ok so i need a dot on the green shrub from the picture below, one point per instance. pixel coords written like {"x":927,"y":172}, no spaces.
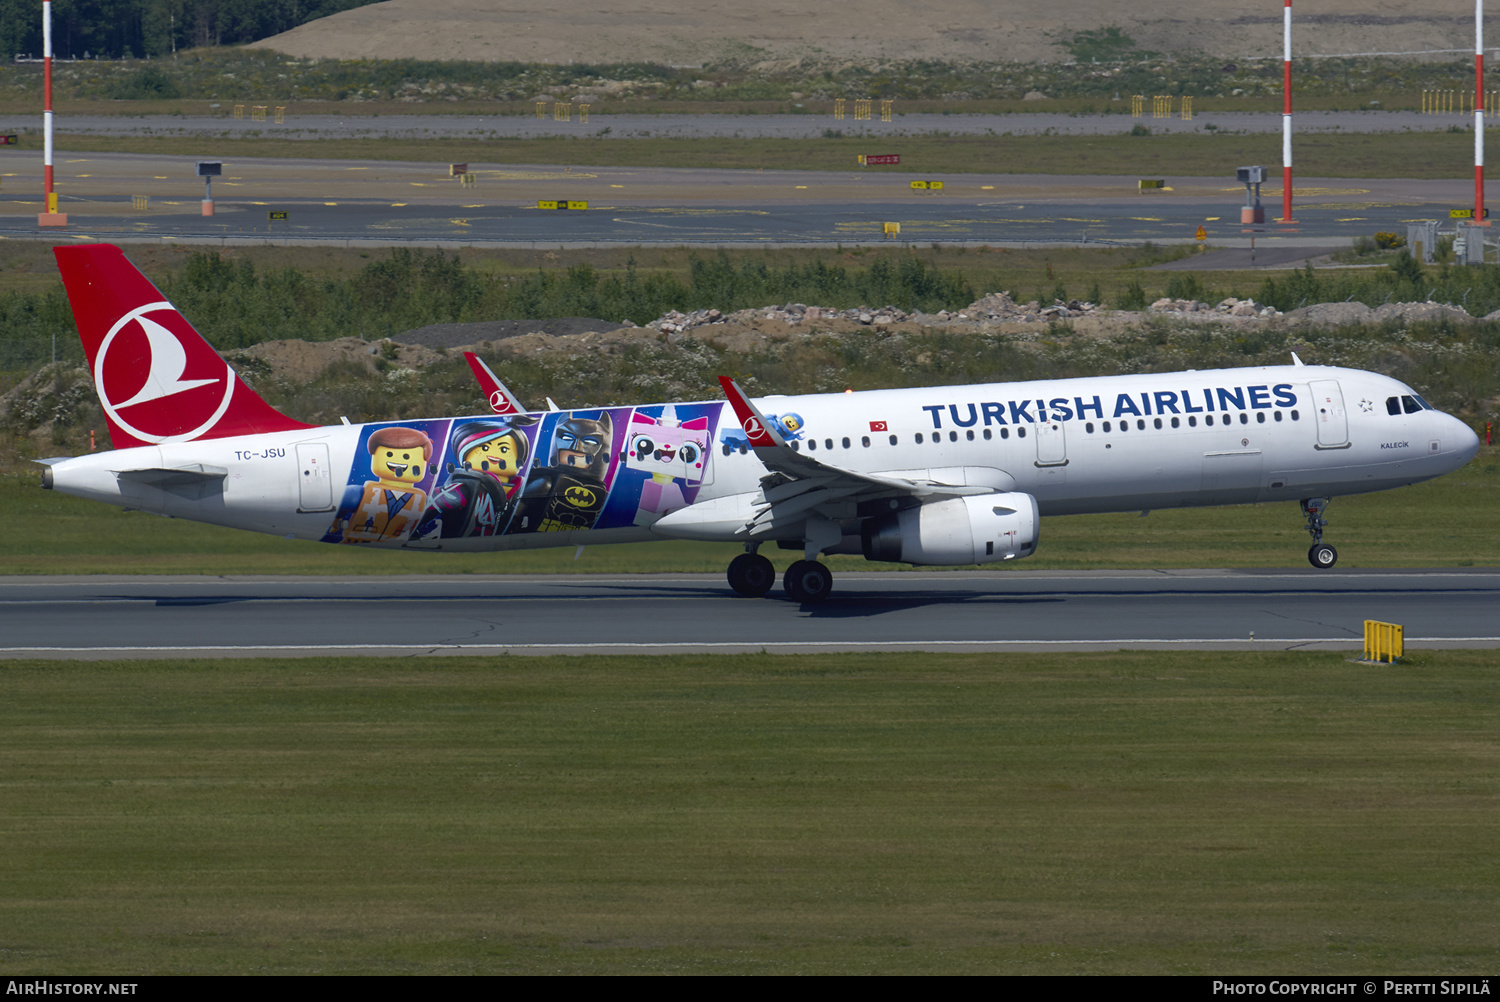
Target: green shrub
{"x":1134,"y":297}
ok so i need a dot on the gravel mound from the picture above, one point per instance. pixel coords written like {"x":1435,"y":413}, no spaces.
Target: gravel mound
{"x":460,"y":335}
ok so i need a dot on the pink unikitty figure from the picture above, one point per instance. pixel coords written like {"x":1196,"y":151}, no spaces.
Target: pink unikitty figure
{"x":674,"y":454}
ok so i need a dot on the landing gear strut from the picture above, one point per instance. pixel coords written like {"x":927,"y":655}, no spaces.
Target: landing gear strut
{"x":751,"y":574}
{"x":1321,"y":556}
{"x":807,"y":581}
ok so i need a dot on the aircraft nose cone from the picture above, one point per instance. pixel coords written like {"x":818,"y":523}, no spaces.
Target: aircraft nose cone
{"x":1465,"y":441}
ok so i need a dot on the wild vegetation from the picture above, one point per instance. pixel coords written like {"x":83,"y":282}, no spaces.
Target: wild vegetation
{"x":233,"y":74}
{"x":237,"y":305}
{"x":115,"y":29}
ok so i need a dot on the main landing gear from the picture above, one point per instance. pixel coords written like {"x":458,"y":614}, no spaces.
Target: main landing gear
{"x":1322,"y":556}
{"x":807,"y":581}
{"x":752,"y":575}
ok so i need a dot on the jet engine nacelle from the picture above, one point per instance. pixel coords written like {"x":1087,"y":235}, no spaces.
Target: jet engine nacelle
{"x":964,"y":530}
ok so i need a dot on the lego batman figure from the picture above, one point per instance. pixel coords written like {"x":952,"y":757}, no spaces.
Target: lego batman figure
{"x":570,"y":492}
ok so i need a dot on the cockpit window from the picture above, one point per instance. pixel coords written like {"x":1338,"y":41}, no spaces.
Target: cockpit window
{"x":1410,"y":403}
{"x":1393,"y":406}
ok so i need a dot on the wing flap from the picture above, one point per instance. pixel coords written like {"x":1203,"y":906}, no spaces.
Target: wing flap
{"x":800,"y":486}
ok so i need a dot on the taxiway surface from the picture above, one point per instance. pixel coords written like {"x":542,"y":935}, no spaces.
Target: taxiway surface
{"x":126,"y":198}
{"x":86,"y":617}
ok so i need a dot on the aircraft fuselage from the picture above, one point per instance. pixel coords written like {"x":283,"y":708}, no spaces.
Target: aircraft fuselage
{"x":600,"y":475}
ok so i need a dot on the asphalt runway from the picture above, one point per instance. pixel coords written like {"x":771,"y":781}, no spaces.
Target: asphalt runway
{"x":667,"y":207}
{"x":142,"y":617}
{"x":381,"y":203}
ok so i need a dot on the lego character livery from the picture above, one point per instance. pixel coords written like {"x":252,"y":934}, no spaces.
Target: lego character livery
{"x":788,"y":426}
{"x":479,"y":494}
{"x":672,"y":455}
{"x":390,"y":504}
{"x":570,"y":492}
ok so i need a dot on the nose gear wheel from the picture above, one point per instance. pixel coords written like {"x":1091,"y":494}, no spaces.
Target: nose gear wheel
{"x":1321,"y":556}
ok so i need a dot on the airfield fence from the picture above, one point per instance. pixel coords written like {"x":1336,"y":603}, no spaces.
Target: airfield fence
{"x":1454,"y":101}
{"x":1161,"y":106}
{"x":1384,"y":641}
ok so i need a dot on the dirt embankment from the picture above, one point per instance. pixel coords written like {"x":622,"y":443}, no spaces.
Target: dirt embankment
{"x":763,"y":32}
{"x":748,"y":331}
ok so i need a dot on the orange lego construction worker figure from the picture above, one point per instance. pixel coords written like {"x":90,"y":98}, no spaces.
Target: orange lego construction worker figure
{"x":391,"y":504}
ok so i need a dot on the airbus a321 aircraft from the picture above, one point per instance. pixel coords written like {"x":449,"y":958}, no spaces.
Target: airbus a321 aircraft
{"x":950,"y":475}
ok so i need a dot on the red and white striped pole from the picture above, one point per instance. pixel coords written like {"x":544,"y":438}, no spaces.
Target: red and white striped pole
{"x":1286,"y":115}
{"x":1479,"y":112}
{"x":49,"y":216}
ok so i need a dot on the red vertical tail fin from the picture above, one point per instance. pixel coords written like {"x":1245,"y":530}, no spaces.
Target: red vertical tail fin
{"x":157,"y":378}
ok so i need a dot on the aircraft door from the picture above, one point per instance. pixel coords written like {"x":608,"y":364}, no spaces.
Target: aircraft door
{"x":1051,"y":443}
{"x":1328,"y":411}
{"x":314,"y":477}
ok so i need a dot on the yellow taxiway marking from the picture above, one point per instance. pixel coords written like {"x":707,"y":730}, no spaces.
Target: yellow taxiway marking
{"x":617,"y":186}
{"x":677,"y":211}
{"x":356,"y":168}
{"x":479,"y":206}
{"x":398,"y":205}
{"x":459,"y":222}
{"x":1353,"y":219}
{"x":159,"y":177}
{"x":801,"y":187}
{"x":986,"y":187}
{"x":259,"y":203}
{"x":75,"y":161}
{"x":1070,"y":219}
{"x":1147,"y":219}
{"x":83,"y":175}
{"x":330,"y":203}
{"x":1306,"y":192}
{"x":1211,"y":219}
{"x":537,"y":175}
{"x":418,"y":184}
{"x":914,"y":225}
{"x":1356,"y":206}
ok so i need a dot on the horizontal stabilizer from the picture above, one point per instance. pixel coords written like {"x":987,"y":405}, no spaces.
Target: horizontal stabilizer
{"x":193,"y":482}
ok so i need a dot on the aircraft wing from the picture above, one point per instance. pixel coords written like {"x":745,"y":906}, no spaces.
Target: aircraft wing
{"x":799,"y":486}
{"x":501,"y":400}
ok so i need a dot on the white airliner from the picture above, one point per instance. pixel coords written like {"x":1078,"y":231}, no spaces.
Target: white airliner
{"x":949,"y":475}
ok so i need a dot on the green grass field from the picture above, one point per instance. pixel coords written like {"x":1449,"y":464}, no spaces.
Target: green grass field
{"x":1447,"y":522}
{"x":1156,"y":813}
{"x":1362,"y":155}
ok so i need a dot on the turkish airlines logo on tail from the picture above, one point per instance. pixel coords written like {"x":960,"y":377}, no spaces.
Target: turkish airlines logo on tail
{"x":500,"y":403}
{"x":149,"y":386}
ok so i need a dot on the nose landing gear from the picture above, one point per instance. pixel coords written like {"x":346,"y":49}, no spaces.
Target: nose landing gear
{"x":1321,"y":555}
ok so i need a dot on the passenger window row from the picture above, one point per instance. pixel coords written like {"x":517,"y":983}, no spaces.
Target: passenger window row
{"x":1192,"y":421}
{"x":1089,"y":428}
